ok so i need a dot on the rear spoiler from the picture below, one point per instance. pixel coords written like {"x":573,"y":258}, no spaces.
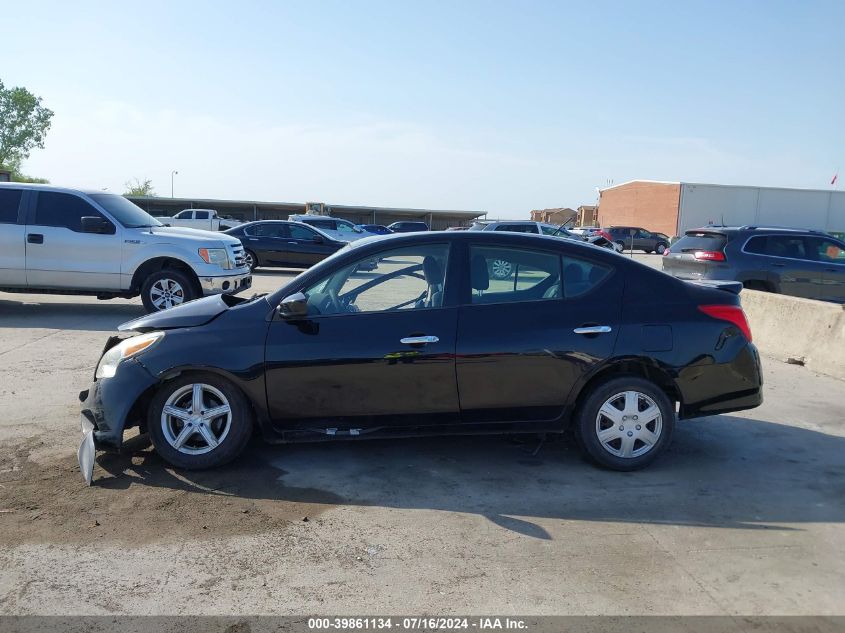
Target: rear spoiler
{"x":734,"y":287}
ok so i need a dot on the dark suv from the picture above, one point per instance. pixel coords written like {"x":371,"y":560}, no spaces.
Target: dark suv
{"x":796,"y":262}
{"x":637,"y":238}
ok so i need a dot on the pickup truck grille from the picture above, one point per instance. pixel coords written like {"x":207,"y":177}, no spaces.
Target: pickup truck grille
{"x":238,"y":256}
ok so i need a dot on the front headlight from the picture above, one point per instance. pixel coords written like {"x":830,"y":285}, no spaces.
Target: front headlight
{"x":127,"y":348}
{"x":217,"y":256}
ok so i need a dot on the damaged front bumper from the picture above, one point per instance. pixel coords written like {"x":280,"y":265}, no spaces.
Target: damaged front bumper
{"x":107,"y":406}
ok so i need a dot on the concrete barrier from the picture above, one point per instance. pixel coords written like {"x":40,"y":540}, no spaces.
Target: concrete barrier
{"x":790,"y":327}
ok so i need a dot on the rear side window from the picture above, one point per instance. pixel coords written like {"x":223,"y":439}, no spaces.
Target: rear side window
{"x":62,"y":210}
{"x":268,"y":230}
{"x":505,"y":275}
{"x":790,"y":246}
{"x":201,"y":215}
{"x":10,"y":200}
{"x":517,"y":228}
{"x":581,"y":276}
{"x":700,"y":241}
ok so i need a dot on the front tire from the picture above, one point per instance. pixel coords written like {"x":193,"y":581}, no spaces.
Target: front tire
{"x":167,"y":288}
{"x":199,"y":420}
{"x":661,"y":248}
{"x":625,"y":423}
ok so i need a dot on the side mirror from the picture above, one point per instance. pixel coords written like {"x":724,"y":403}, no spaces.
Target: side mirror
{"x":96,"y":224}
{"x":294,"y":307}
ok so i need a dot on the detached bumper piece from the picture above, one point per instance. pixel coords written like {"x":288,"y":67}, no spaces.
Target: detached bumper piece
{"x":86,"y":452}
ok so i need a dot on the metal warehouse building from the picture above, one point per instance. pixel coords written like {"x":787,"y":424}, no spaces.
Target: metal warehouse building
{"x":675,"y":207}
{"x":247,"y":210}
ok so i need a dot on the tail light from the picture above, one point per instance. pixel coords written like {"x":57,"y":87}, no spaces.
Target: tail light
{"x":666,"y":252}
{"x":731,"y":314}
{"x":605,"y":235}
{"x":710,"y":256}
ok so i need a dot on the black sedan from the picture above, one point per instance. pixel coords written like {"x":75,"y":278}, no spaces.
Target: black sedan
{"x":429,"y":343}
{"x":286,"y":244}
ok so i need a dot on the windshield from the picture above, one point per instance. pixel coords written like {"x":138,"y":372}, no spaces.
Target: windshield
{"x":129,"y":214}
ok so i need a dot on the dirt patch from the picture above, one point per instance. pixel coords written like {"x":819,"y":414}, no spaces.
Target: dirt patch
{"x":136,"y":498}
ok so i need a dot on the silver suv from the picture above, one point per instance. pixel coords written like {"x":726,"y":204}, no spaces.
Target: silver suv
{"x":67,"y":241}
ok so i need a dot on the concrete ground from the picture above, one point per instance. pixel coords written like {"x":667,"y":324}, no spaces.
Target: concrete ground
{"x":743,"y":515}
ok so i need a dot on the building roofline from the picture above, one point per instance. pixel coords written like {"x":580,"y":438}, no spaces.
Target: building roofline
{"x":341,"y":207}
{"x":713,"y":184}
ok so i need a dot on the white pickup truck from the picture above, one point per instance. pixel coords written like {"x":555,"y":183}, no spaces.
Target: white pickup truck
{"x":66,"y":241}
{"x":206,"y":219}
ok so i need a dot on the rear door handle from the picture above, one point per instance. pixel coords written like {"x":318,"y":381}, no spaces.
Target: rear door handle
{"x":418,"y":340}
{"x":35,"y":238}
{"x":593,"y":329}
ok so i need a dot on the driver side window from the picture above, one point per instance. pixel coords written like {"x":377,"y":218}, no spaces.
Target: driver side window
{"x":409,"y":278}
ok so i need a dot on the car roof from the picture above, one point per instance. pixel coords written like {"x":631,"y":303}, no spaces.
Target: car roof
{"x":56,"y":188}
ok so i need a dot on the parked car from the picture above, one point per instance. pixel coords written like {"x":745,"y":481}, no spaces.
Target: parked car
{"x":281,"y":243}
{"x":600,"y":240}
{"x":374,"y":229}
{"x":70,"y":241}
{"x":206,"y":219}
{"x":638,"y":239}
{"x":796,"y":262}
{"x":408,"y":227}
{"x":336,"y":228}
{"x":429,"y":344}
{"x":526,"y":226}
{"x":504,"y":269}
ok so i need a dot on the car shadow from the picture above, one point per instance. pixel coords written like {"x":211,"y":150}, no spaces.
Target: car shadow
{"x":722,"y":471}
{"x":93,"y":316}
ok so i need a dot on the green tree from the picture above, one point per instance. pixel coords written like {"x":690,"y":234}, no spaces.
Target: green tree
{"x":139,"y":188}
{"x":23,"y":125}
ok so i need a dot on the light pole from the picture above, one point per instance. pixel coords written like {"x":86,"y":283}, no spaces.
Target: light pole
{"x":172,"y":173}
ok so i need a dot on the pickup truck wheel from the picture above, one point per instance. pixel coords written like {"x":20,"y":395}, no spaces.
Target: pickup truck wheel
{"x":167,"y":288}
{"x":199,"y":420}
{"x":625,"y":423}
{"x":250,"y":259}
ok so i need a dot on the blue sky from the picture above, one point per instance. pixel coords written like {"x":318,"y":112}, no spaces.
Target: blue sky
{"x":495,"y":106}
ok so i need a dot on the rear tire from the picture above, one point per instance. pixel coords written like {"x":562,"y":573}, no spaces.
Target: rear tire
{"x":167,"y":288}
{"x":251,"y":260}
{"x":625,"y":423}
{"x":210,"y":437}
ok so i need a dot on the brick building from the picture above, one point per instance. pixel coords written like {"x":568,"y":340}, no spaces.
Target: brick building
{"x":675,"y":207}
{"x":560,"y":215}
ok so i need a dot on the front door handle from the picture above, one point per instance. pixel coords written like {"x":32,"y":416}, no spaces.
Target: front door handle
{"x":593,"y":329}
{"x":35,"y":238}
{"x":418,"y":340}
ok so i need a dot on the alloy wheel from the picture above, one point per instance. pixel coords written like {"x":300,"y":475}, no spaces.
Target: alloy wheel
{"x":248,"y":260}
{"x":196,"y":418}
{"x":629,"y":424}
{"x":501,"y":268}
{"x":166,"y":293}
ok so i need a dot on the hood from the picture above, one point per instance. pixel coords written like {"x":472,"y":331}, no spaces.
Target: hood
{"x":189,"y":314}
{"x":198,"y":235}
